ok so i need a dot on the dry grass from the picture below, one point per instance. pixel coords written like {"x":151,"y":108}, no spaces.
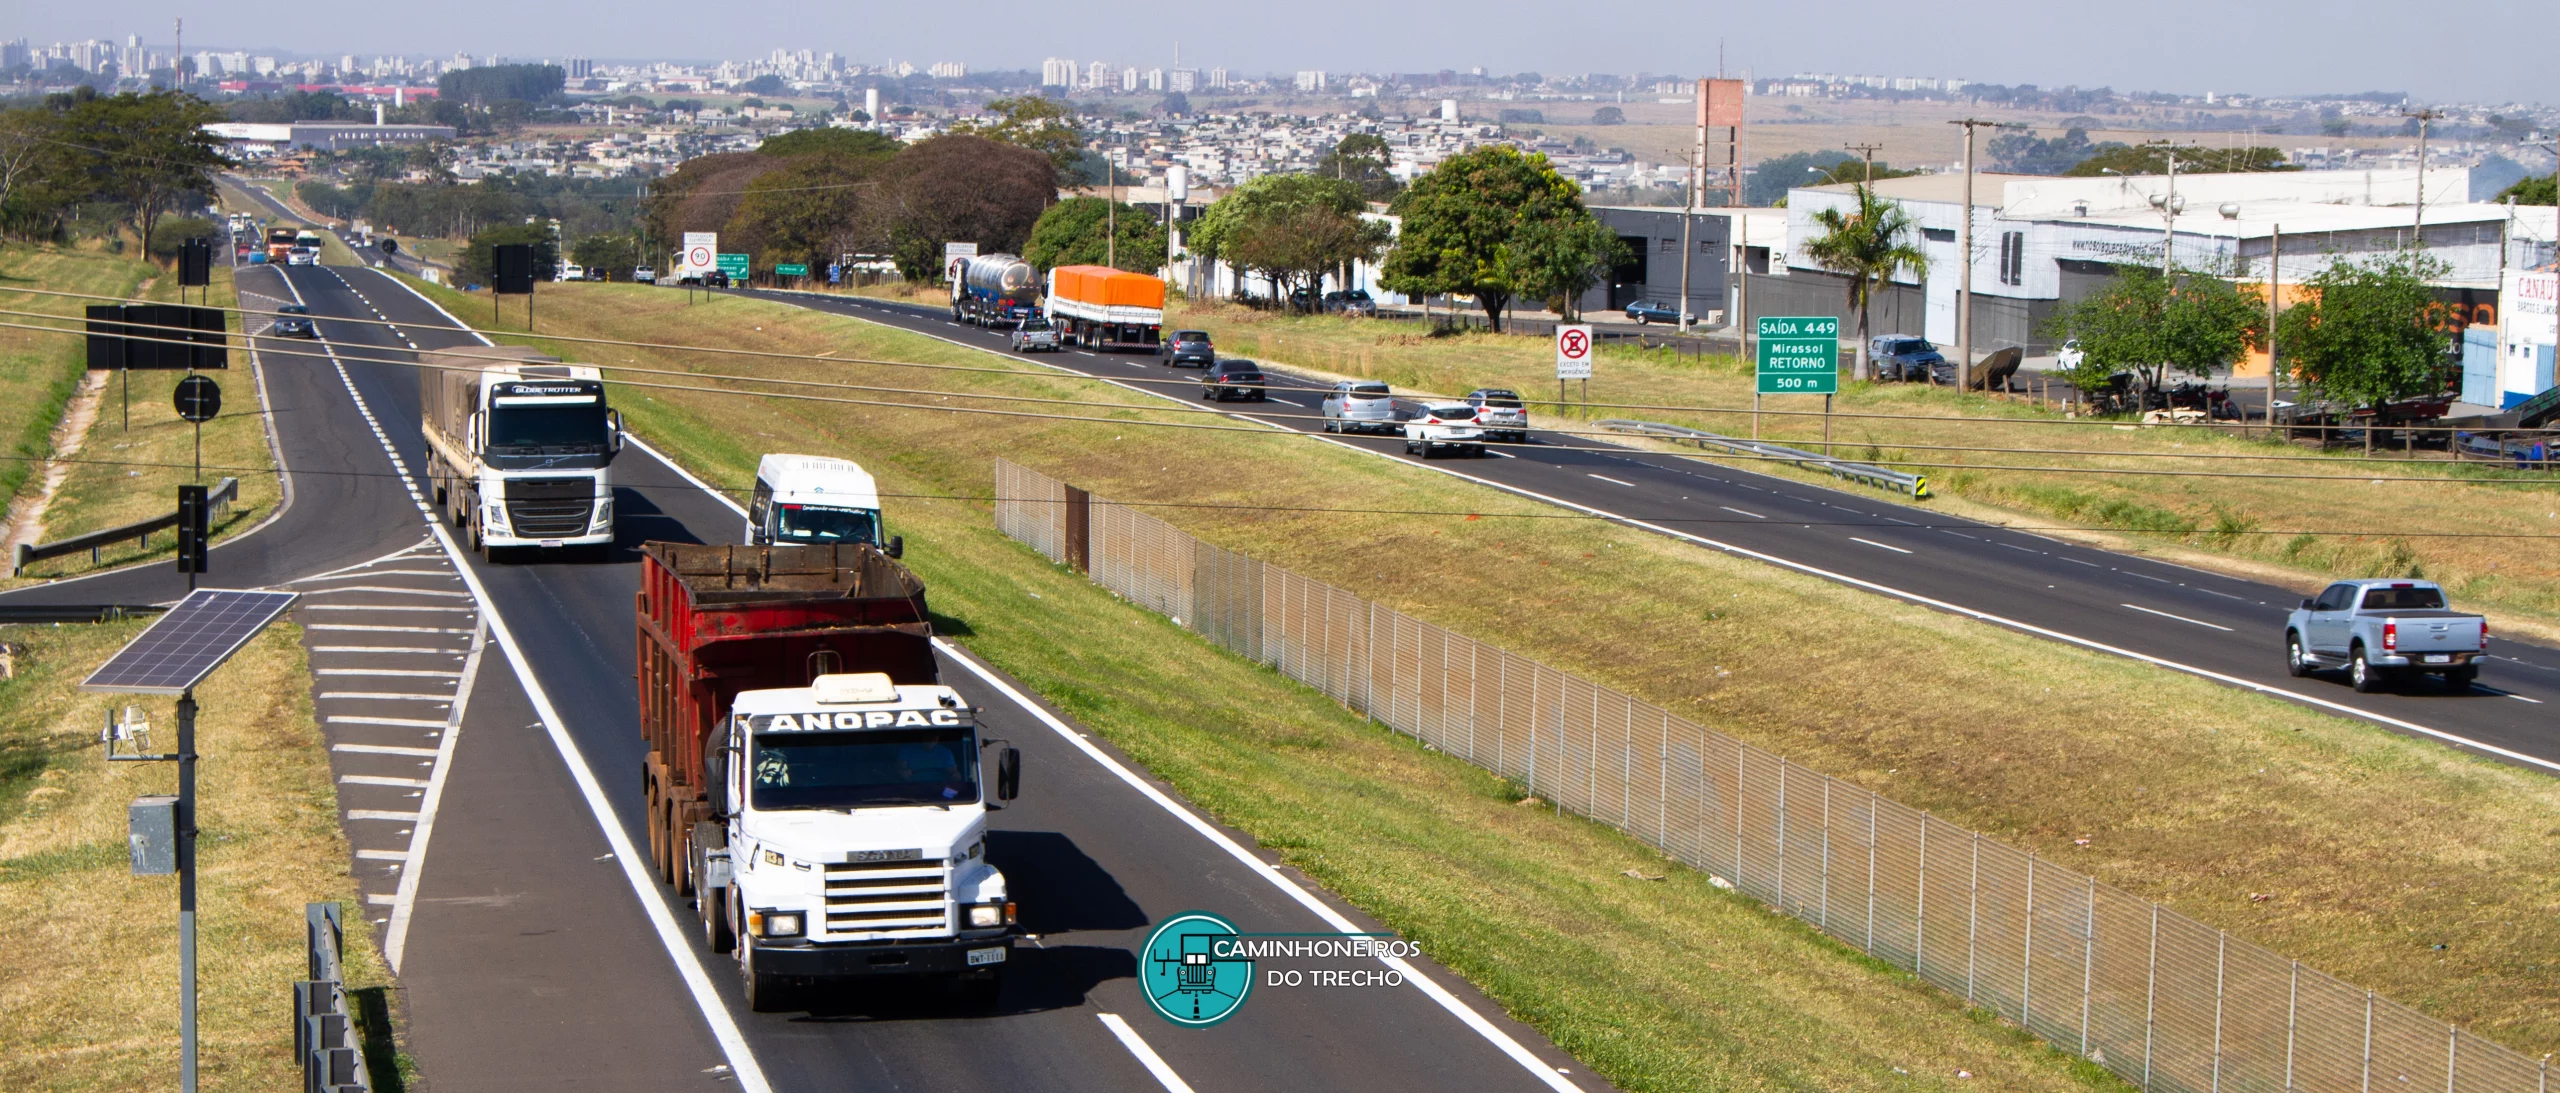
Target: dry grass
{"x":88,"y":990}
{"x":39,"y":372}
{"x":2369,"y":849}
{"x":2303,"y":532}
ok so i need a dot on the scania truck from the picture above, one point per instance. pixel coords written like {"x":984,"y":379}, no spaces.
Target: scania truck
{"x":810,"y":783}
{"x":519,"y":447}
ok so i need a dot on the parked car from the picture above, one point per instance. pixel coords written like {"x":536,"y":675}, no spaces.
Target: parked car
{"x":1354,"y":302}
{"x":2381,"y":630}
{"x":293,"y":321}
{"x":573,"y":273}
{"x":1188,"y":349}
{"x":1500,"y":413}
{"x":1233,"y":379}
{"x":1359,"y":406}
{"x":1034,"y":333}
{"x":644,"y":275}
{"x":2068,"y":358}
{"x":1443,"y":426}
{"x":1909,"y":358}
{"x":1647,"y":312}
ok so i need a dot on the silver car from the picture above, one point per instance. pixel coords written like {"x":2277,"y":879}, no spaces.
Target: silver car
{"x":1360,"y":406}
{"x":1035,"y":333}
{"x":1500,"y":414}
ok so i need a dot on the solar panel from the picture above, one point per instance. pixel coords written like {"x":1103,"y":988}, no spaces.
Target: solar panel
{"x":187,"y":644}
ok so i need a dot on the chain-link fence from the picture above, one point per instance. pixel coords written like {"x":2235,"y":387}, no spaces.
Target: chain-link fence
{"x":2165,"y":1001}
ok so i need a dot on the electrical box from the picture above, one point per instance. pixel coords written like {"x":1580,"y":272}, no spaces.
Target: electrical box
{"x":151,"y":832}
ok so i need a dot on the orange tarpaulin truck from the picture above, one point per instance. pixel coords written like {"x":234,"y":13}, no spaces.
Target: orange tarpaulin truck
{"x":1102,"y":308}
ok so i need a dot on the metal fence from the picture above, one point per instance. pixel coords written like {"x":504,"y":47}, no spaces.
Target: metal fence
{"x":325,"y":1036}
{"x":2165,"y":1001}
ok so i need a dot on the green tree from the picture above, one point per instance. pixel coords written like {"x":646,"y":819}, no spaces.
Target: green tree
{"x":959,"y":187}
{"x":808,"y":212}
{"x":1771,"y":178}
{"x":1868,"y":243}
{"x":2534,"y":190}
{"x":1031,"y":121}
{"x":1495,"y":224}
{"x":1291,"y":229}
{"x":489,"y":84}
{"x":767,"y":84}
{"x":27,"y":151}
{"x":858,"y":143}
{"x":2153,"y":159}
{"x":1078,"y":232}
{"x":149,"y":152}
{"x":2143,"y":323}
{"x":1851,"y":172}
{"x":1608,"y":115}
{"x":2027,"y":154}
{"x":616,"y":253}
{"x":1362,"y":159}
{"x":2363,"y":335}
{"x":475,"y":264}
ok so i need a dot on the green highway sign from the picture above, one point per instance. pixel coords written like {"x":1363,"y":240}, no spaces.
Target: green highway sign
{"x":735,"y":265}
{"x":790,"y":269}
{"x":1799,"y":355}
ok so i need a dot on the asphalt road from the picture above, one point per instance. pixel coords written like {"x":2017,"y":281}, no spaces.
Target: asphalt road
{"x":530,"y":956}
{"x":2225,"y":627}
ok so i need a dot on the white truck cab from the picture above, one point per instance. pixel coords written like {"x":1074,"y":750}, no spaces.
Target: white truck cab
{"x":814,"y":499}
{"x":855,"y":821}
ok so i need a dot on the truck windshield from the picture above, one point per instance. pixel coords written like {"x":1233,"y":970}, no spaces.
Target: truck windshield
{"x":547,"y":430}
{"x":820,"y":524}
{"x":2403,"y":599}
{"x":873,"y":769}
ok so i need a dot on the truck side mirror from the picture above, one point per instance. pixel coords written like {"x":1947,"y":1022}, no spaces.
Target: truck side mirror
{"x":473,"y":431}
{"x":897,"y":546}
{"x":715,"y":769}
{"x":613,"y":422}
{"x":1008,"y":774}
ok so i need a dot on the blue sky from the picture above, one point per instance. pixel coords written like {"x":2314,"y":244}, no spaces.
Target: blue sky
{"x":2457,"y":51}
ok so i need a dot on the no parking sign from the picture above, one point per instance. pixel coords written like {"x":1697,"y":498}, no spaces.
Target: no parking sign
{"x":1573,"y":352}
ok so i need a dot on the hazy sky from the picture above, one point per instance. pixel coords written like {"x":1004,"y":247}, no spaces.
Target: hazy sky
{"x":2464,"y":50}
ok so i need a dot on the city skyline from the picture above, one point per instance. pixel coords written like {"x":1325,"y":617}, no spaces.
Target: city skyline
{"x":2009,"y":42}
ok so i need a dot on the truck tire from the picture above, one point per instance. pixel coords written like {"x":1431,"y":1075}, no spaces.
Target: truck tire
{"x":766,"y":992}
{"x":2366,"y":678}
{"x":2294,"y":665}
{"x":718,"y":933}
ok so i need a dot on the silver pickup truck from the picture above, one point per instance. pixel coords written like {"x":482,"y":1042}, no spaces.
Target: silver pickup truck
{"x":2384,"y":629}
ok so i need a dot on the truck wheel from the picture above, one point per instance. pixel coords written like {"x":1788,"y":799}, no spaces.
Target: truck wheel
{"x":2366,"y":679}
{"x":765,"y":991}
{"x":2294,"y":665}
{"x":718,"y":935}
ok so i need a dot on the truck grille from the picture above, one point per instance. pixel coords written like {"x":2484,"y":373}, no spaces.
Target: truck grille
{"x":891,"y":898}
{"x":544,"y":508}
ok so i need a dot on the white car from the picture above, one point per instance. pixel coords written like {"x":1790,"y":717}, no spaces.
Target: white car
{"x":2068,"y":358}
{"x":644,"y":275}
{"x":572,"y":273}
{"x":302,"y":256}
{"x":1443,"y":426}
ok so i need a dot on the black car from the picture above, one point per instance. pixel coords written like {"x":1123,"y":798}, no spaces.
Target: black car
{"x":1652,"y":311}
{"x":1188,"y":349}
{"x":1233,"y":379}
{"x":293,"y":321}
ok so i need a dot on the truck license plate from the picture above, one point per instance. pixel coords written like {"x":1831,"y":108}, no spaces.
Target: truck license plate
{"x":553,"y":544}
{"x":986,"y":956}
{"x":2439,"y":658}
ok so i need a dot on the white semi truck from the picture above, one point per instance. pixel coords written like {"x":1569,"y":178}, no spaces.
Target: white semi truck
{"x":519,"y":447}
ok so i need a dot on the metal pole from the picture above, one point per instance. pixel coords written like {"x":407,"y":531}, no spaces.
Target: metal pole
{"x":187,"y":892}
{"x":2151,"y":999}
{"x":1781,"y":901}
{"x":1972,"y":917}
{"x":1920,"y":909}
{"x":1964,"y":272}
{"x":2275,"y":289}
{"x":1689,"y":211}
{"x":2292,"y":1006}
{"x":2221,"y":943}
{"x":1872,"y":798}
{"x":2169,"y":217}
{"x":2368,"y":1043}
{"x":2088,"y":962}
{"x":2027,"y":953}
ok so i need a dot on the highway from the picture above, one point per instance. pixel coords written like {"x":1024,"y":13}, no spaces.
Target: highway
{"x":533,"y":949}
{"x":2227,"y":628}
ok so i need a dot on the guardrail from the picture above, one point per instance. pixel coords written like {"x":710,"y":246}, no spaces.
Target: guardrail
{"x":222,"y":495}
{"x":1917,"y":485}
{"x":325,"y":1034}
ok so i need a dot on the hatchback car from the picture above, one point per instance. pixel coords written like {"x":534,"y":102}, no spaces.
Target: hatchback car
{"x":1035,"y":333}
{"x":293,"y":321}
{"x":1233,"y":379}
{"x":1646,"y":312}
{"x":1188,"y":349}
{"x":1500,"y":413}
{"x":1443,"y":427}
{"x":1359,"y":406}
{"x":644,"y":275}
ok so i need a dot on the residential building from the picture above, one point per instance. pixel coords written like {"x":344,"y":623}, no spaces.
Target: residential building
{"x":1155,"y":79}
{"x":1217,"y":79}
{"x":1185,"y":80}
{"x":1057,"y":72}
{"x":1311,"y":80}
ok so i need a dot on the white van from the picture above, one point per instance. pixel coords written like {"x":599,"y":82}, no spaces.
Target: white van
{"x":812,"y":499}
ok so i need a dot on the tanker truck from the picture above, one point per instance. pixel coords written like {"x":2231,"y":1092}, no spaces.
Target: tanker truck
{"x":1098,"y":307}
{"x":995,"y":290}
{"x":810,"y":783}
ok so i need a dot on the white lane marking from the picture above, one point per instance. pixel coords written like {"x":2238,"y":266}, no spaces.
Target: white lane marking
{"x":1613,"y":481}
{"x":430,"y":673}
{"x":2521,"y":698}
{"x":449,"y":650}
{"x":380,"y":749}
{"x":1292,"y":402}
{"x":1147,"y":1056}
{"x":387,"y":696}
{"x":2076,"y":561}
{"x":1895,"y":519}
{"x":1873,"y":543}
{"x":2180,"y":618}
{"x":392,"y":722}
{"x":381,"y":780}
{"x":675,"y":939}
{"x":1498,"y":453}
{"x":377,"y":606}
{"x":2224,"y":595}
{"x":381,"y":814}
{"x":386,"y":590}
{"x":1499,"y":1039}
{"x":2146,"y":576}
{"x":382,"y":855}
{"x":1753,"y":515}
{"x":377,"y":899}
{"x":383,"y":629}
{"x":2329,"y":705}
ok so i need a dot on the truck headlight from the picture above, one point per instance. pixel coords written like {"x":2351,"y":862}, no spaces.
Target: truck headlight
{"x":775,"y":923}
{"x":495,"y":518}
{"x":987,"y":916}
{"x":604,"y":515}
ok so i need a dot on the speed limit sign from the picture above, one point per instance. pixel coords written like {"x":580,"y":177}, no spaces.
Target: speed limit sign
{"x":701,"y":250}
{"x":1573,"y":352}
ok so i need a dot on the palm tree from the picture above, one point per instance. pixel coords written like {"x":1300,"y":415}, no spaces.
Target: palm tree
{"x":1866,"y":244}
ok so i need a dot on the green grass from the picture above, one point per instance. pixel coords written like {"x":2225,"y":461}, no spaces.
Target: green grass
{"x":39,"y":372}
{"x":88,"y":987}
{"x":2187,"y":792}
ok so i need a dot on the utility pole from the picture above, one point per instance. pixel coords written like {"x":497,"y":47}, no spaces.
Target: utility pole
{"x":1964,"y":260}
{"x":2418,"y":229}
{"x":1689,"y":213}
{"x":177,"y":55}
{"x":1868,"y":152}
{"x":2275,"y":255}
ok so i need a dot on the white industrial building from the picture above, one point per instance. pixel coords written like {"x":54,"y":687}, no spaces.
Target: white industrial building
{"x":264,"y":139}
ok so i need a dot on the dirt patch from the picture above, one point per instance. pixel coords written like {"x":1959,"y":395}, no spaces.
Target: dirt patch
{"x":26,"y":514}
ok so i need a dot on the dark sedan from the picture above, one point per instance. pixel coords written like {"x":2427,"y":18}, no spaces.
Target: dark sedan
{"x":1188,"y":349}
{"x":1645,"y":312}
{"x":1233,"y":379}
{"x":293,"y":321}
